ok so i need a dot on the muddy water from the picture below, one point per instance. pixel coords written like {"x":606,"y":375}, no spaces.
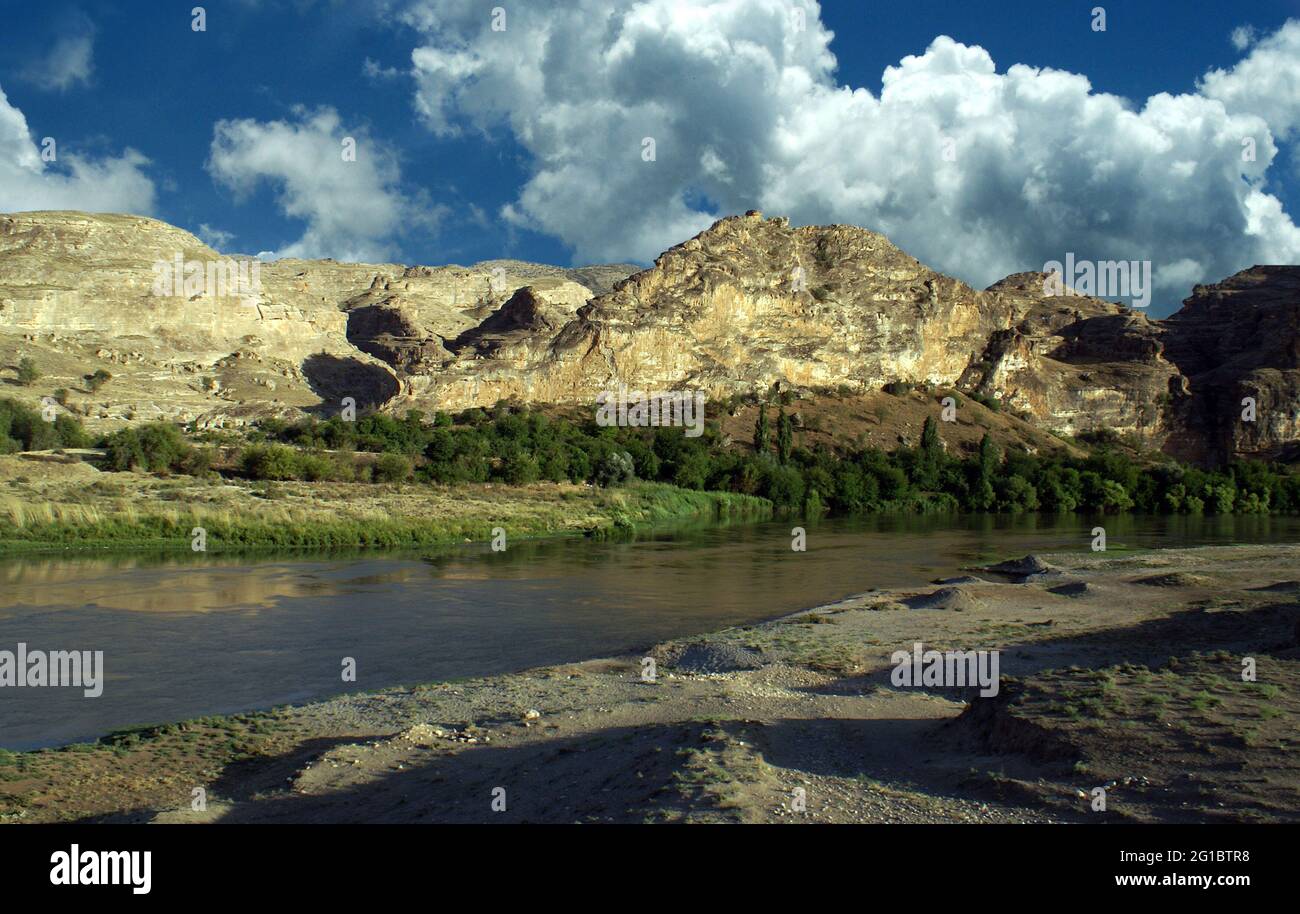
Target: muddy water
{"x":188,"y":636}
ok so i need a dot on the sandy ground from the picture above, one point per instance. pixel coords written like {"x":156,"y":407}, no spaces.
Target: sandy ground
{"x":1122,"y":673}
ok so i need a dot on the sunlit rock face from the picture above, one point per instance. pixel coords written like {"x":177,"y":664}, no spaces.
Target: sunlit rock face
{"x":80,"y":292}
{"x":746,"y":304}
{"x":749,"y":303}
{"x":752,"y":302}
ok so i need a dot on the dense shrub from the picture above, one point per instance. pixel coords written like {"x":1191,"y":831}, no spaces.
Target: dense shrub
{"x":615,"y":469}
{"x":98,"y":379}
{"x":27,"y":373}
{"x":391,"y":468}
{"x":158,"y":447}
{"x":275,"y":462}
{"x":25,"y":429}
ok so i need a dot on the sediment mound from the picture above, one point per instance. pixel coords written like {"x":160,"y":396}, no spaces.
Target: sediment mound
{"x":953,"y":599}
{"x":1073,"y":589}
{"x":704,"y":657}
{"x":993,"y":724}
{"x":1024,"y":567}
{"x":1172,"y":579}
{"x":960,"y":579}
{"x":1279,"y":587}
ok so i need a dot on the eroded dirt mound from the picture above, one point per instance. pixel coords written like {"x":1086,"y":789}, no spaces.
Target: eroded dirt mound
{"x":998,"y":724}
{"x":1023,"y":567}
{"x":1280,"y":587}
{"x":953,"y":599}
{"x":1173,"y":579}
{"x":702,"y":657}
{"x":960,"y":579}
{"x":1073,"y":589}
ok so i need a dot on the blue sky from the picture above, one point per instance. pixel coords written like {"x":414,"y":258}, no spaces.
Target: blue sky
{"x":480,"y":142}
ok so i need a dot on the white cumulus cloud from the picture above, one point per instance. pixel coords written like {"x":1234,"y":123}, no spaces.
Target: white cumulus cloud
{"x":1266,"y":82}
{"x":112,"y":184}
{"x":978,"y":171}
{"x":352,"y":209}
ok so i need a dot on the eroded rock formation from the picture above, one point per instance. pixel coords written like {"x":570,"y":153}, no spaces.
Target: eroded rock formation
{"x":749,"y":303}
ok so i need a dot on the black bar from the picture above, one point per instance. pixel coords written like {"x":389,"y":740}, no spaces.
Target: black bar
{"x":333,"y":863}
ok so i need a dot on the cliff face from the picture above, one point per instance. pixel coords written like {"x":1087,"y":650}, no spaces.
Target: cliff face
{"x":752,"y":302}
{"x":77,"y":293}
{"x":749,"y":303}
{"x":1238,"y":341}
{"x":1076,"y":364}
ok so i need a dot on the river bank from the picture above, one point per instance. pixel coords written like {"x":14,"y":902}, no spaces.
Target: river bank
{"x":51,"y":505}
{"x":1119,"y":672}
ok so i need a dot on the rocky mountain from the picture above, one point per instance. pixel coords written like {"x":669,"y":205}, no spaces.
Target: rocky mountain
{"x":745,"y":305}
{"x":77,"y":293}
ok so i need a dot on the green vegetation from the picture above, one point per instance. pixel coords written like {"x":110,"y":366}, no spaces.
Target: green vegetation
{"x":326,"y":519}
{"x":158,"y":447}
{"x":518,"y":446}
{"x":24,"y":429}
{"x":27,"y":373}
{"x":762,"y":430}
{"x":97,"y":380}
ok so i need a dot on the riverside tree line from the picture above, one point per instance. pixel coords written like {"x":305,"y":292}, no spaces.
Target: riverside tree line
{"x":516,"y":445}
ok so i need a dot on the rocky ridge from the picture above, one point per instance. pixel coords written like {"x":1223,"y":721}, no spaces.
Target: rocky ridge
{"x":745,"y":305}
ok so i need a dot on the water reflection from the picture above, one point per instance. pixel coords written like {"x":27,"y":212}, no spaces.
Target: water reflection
{"x":188,"y":635}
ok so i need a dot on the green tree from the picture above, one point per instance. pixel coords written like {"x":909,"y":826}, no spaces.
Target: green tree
{"x":1115,"y":498}
{"x":391,"y":468}
{"x":615,"y":469}
{"x":1018,"y":494}
{"x":784,"y":436}
{"x":929,"y":457}
{"x":982,"y":496}
{"x":275,"y":462}
{"x":27,"y":373}
{"x":520,"y":469}
{"x":989,"y":458}
{"x":785,"y":487}
{"x":692,"y":471}
{"x":931,"y":446}
{"x":762,"y":430}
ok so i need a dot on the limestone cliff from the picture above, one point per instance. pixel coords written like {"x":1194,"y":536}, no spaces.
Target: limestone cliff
{"x":746,"y":304}
{"x":78,"y":293}
{"x":752,"y":302}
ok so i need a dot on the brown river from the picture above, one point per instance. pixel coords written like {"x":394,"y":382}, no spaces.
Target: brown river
{"x":186,"y":636}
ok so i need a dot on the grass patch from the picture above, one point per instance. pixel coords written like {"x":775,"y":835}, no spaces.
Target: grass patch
{"x":343,"y":515}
